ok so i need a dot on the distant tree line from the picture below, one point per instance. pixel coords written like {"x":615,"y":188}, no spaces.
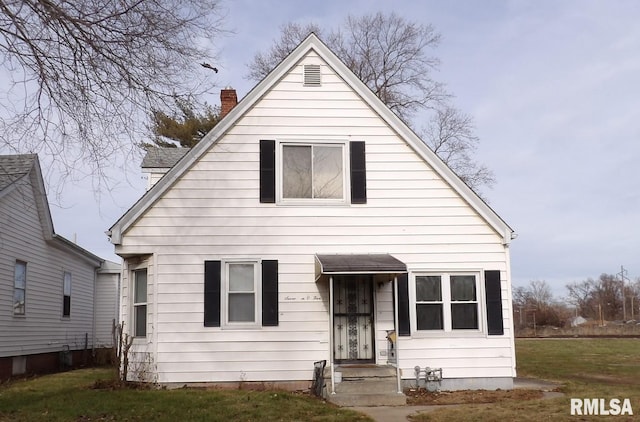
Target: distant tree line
{"x":602,"y":300}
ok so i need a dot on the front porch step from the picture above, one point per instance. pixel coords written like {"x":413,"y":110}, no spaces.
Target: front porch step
{"x":365,"y":385}
{"x":362,"y":371}
{"x":368,"y":400}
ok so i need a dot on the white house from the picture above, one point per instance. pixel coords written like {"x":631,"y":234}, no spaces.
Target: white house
{"x":280,"y":239}
{"x":47,"y":283}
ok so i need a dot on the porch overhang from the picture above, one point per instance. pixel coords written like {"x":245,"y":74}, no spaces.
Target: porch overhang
{"x":358,"y":264}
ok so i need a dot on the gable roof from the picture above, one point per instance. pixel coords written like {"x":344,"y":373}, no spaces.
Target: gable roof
{"x":14,"y":168}
{"x":311,"y":43}
{"x":162,"y":157}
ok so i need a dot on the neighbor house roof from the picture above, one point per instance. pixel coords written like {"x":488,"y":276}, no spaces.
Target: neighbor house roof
{"x":162,"y":157}
{"x":311,"y":43}
{"x":14,"y":168}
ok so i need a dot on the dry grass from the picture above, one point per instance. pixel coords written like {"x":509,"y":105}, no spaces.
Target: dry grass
{"x":588,"y":368}
{"x":91,"y":395}
{"x":424,"y":397}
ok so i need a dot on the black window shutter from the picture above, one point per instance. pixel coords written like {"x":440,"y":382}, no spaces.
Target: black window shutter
{"x":267,"y":171}
{"x":269,"y":293}
{"x":494,"y":303}
{"x":404,"y":325}
{"x":358,"y":172}
{"x":212,"y":293}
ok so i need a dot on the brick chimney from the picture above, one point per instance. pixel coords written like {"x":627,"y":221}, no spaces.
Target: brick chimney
{"x":228,"y":100}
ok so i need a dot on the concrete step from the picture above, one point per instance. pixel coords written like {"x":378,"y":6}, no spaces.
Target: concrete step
{"x":371,"y":399}
{"x":362,"y":371}
{"x":368,"y":385}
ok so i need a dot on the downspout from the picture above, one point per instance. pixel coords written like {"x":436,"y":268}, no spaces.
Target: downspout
{"x":331,"y":335}
{"x":396,"y":321}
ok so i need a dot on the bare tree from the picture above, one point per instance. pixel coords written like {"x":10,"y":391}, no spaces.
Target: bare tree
{"x":393,"y":57}
{"x":580,"y":294}
{"x":598,"y":298}
{"x":82,"y":74}
{"x":291,"y":35}
{"x":387,"y":52}
{"x":536,"y":301}
{"x":450,"y":135}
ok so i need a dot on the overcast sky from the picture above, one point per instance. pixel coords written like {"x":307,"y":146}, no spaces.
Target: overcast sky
{"x":554,"y":88}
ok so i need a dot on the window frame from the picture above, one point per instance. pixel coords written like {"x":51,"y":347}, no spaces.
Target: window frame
{"x":23,"y":289}
{"x":433,"y":302}
{"x":138,"y":304}
{"x":225,"y":323}
{"x":346,"y":171}
{"x":65,"y":295}
{"x":447,"y":304}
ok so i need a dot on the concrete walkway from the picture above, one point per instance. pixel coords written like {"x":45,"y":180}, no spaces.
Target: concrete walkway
{"x":401,"y":413}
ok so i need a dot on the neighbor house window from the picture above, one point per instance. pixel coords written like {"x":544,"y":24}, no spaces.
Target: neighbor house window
{"x":140,"y":302}
{"x":19,"y":287}
{"x":242,"y":293}
{"x":66,"y":294}
{"x":446,"y":302}
{"x":315,"y":171}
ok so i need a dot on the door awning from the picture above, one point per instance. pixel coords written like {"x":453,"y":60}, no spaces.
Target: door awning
{"x":359,"y":264}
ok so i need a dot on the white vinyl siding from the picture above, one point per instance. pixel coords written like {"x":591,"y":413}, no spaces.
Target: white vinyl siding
{"x":42,"y":329}
{"x":212,"y":212}
{"x":107,"y":305}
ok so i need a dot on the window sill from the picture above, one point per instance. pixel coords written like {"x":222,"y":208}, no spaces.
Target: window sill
{"x":312,"y":203}
{"x":449,"y":334}
{"x":241,"y":327}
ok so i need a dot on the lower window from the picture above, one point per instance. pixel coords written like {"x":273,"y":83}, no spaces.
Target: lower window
{"x":66,"y":294}
{"x":140,"y":302}
{"x":241,"y":293}
{"x":446,"y":302}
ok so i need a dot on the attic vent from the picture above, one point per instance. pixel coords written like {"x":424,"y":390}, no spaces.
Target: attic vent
{"x":312,"y":75}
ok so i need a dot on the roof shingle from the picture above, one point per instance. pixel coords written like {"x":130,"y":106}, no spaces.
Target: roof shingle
{"x":163,"y":157}
{"x":14,"y":167}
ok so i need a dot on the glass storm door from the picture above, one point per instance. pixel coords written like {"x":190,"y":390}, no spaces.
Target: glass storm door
{"x":353,"y":319}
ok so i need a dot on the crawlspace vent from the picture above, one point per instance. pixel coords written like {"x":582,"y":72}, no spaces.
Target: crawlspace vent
{"x":312,"y":75}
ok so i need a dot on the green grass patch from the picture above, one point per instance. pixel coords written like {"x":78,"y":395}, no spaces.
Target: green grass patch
{"x":70,"y":396}
{"x":588,"y":368}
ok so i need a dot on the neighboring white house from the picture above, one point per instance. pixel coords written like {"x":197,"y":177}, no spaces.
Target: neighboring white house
{"x":280,"y":239}
{"x":107,"y":303}
{"x":47,"y":283}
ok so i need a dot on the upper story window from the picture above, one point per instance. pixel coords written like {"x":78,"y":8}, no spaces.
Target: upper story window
{"x":66,"y":294}
{"x":446,"y":302}
{"x":313,"y":171}
{"x":19,"y":288}
{"x":140,"y":302}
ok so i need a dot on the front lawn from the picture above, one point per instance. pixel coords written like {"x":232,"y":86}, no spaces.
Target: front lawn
{"x":72,"y":396}
{"x":589,"y":368}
